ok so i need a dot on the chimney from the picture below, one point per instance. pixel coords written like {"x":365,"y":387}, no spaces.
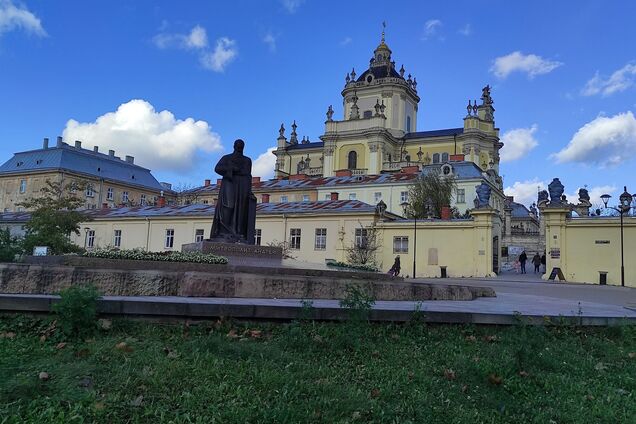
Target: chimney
{"x":457,"y":158}
{"x":130,"y":159}
{"x":256,"y":180}
{"x":78,"y":144}
{"x":206,"y":183}
{"x":410,"y":169}
{"x":334,"y":195}
{"x":59,"y":141}
{"x":218,"y":181}
{"x":111,"y":153}
{"x":161,"y":202}
{"x":265,"y":198}
{"x":104,"y":205}
{"x":95,"y":149}
{"x":343,"y":173}
{"x":446,"y":213}
{"x":45,"y":143}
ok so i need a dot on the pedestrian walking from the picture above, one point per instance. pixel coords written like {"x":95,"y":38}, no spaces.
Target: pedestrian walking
{"x":536,"y":261}
{"x":395,"y":269}
{"x":522,"y":260}
{"x":543,"y":263}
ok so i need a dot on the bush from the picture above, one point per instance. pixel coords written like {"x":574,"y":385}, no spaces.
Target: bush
{"x":359,"y":302}
{"x":368,"y":268}
{"x":77,"y":311}
{"x":141,"y":255}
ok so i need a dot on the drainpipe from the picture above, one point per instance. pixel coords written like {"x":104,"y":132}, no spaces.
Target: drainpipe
{"x":147,"y":234}
{"x":284,"y":228}
{"x":101,"y":189}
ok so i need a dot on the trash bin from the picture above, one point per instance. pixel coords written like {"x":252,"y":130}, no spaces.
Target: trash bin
{"x":602,"y":278}
{"x":442,"y":271}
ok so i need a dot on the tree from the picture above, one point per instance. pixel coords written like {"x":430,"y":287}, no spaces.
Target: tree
{"x":55,"y":215}
{"x":430,"y":188}
{"x":365,"y":246}
{"x":9,"y":246}
{"x":186,"y":194}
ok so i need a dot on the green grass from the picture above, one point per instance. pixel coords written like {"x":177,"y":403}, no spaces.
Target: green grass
{"x":318,"y":372}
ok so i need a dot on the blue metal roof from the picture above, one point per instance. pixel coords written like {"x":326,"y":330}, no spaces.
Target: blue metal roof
{"x":519,"y":210}
{"x":461,"y":170}
{"x":435,"y":133}
{"x":312,"y":145}
{"x":83,"y":161}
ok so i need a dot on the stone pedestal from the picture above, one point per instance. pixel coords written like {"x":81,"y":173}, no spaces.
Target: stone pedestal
{"x":237,"y":253}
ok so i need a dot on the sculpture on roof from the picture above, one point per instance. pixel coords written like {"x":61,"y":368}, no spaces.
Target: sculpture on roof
{"x":485,"y":96}
{"x":235,"y":211}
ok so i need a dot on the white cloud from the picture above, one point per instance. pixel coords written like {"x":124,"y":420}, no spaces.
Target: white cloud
{"x":224,"y":53}
{"x":526,"y":192}
{"x":518,"y":143}
{"x":264,"y":164}
{"x":196,"y":39}
{"x":431,"y":28}
{"x":158,"y":140}
{"x":18,"y":17}
{"x":292,"y":6}
{"x":346,"y":41}
{"x":466,"y":30}
{"x":531,"y":64}
{"x":225,"y":50}
{"x":270,"y":40}
{"x":620,"y":80}
{"x":605,"y":141}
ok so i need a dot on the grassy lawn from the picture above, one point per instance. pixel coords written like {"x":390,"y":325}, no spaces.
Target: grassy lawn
{"x":228,"y":372}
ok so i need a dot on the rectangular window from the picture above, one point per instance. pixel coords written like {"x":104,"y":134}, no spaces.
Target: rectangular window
{"x":361,"y":237}
{"x":305,"y":198}
{"x":22,"y":186}
{"x":89,"y":191}
{"x":404,"y":196}
{"x":117,"y":238}
{"x":377,"y":196}
{"x":73,"y":187}
{"x":352,"y":196}
{"x":283,"y":199}
{"x":327,"y":196}
{"x":110,"y":194}
{"x":142,"y":200}
{"x":90,"y":238}
{"x":169,"y":238}
{"x":294,"y":238}
{"x":321,"y":239}
{"x":198,"y":235}
{"x":400,"y":244}
{"x":257,"y":236}
{"x":205,"y":202}
{"x":124,"y":197}
{"x":461,"y":195}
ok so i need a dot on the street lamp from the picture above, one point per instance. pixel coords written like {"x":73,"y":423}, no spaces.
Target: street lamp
{"x":625,"y":205}
{"x":405,"y":206}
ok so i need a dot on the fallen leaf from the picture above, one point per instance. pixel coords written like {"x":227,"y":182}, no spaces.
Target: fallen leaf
{"x":523,"y":373}
{"x":600,"y":366}
{"x":375,"y":354}
{"x":170,"y":353}
{"x":464,"y":388}
{"x":632,"y":355}
{"x":232,"y":334}
{"x":86,"y":382}
{"x":42,"y":338}
{"x":622,"y":392}
{"x":589,"y":397}
{"x":99,"y":406}
{"x":495,"y":379}
{"x":256,"y":334}
{"x":318,"y":339}
{"x":375,"y":392}
{"x":476,"y":358}
{"x":411,"y":375}
{"x":105,"y":324}
{"x":44,"y":376}
{"x":137,"y":401}
{"x":7,"y":335}
{"x":449,"y":374}
{"x":123,"y":347}
{"x":82,"y":353}
{"x":490,"y":339}
{"x":356,"y":415}
{"x":60,"y":345}
{"x":395,"y":336}
{"x":471,"y":338}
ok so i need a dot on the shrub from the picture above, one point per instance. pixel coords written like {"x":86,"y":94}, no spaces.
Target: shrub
{"x":141,"y":255}
{"x":368,"y":268}
{"x":9,"y":246}
{"x":358,"y":302}
{"x":77,"y":311}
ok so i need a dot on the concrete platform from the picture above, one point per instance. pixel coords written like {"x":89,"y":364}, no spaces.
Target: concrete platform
{"x":506,"y":309}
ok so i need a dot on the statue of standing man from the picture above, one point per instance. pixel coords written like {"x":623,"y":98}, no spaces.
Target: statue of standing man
{"x":235,"y":211}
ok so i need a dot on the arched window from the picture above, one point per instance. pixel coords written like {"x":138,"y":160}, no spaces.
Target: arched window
{"x":435,"y":157}
{"x":444,"y":157}
{"x":353,"y":160}
{"x":408,"y":124}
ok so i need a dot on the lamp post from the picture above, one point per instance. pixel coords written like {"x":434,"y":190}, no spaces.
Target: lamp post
{"x":405,"y":206}
{"x":625,"y":204}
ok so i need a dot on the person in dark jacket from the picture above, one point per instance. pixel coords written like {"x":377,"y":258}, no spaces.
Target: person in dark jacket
{"x":395,"y":269}
{"x":543,"y":263}
{"x":536,"y":261}
{"x":522,"y":260}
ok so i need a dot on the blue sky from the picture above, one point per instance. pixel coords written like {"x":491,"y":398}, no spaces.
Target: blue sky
{"x":563,"y":74}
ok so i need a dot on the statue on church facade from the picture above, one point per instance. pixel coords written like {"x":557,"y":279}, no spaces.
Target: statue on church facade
{"x":485,"y":96}
{"x":235,"y":211}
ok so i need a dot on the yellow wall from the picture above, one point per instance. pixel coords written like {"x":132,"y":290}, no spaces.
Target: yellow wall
{"x":584,"y":250}
{"x":342,"y":156}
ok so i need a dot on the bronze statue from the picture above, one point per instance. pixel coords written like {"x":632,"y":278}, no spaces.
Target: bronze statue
{"x":235,"y":211}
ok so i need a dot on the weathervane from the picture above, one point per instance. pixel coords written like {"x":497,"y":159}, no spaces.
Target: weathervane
{"x":383,"y":28}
